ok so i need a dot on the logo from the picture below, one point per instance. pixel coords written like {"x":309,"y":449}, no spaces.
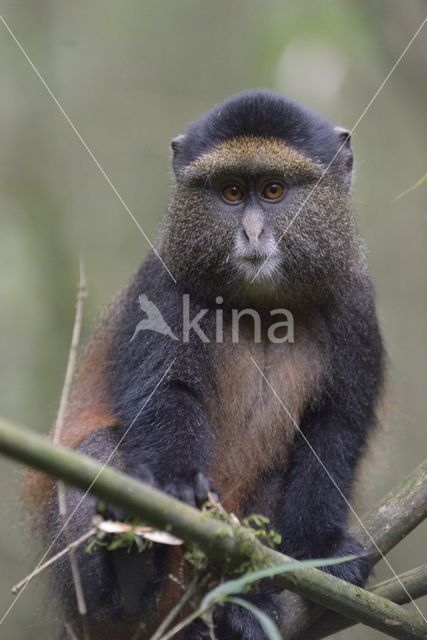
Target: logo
{"x":154,"y":320}
{"x":282,"y":330}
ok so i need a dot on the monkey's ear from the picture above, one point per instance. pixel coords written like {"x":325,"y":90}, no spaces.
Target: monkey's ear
{"x":176,"y":146}
{"x":176,"y":142}
{"x":345,"y":153}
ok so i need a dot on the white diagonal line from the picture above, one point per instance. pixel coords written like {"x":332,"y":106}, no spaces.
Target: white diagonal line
{"x":360,"y":118}
{"x":85,"y":145}
{"x":88,"y":490}
{"x":338,"y":489}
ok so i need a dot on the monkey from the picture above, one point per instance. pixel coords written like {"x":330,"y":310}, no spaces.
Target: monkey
{"x":259,"y":220}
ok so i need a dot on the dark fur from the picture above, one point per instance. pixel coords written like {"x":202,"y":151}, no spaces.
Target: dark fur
{"x":265,"y":114}
{"x":324,"y":281}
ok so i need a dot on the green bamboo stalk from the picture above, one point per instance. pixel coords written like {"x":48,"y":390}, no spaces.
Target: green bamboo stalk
{"x":396,"y":515}
{"x":415,"y":582}
{"x":221,"y":542}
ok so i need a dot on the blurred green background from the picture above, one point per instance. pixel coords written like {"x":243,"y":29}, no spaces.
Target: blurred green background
{"x":131,"y":75}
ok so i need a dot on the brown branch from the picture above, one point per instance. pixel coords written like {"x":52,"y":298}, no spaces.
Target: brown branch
{"x":72,"y":546}
{"x":70,"y":632}
{"x":173,"y":613}
{"x":72,"y":356}
{"x":59,"y":424}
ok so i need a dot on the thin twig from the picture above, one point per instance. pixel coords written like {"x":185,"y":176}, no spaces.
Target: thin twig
{"x":72,"y":356}
{"x":73,"y":545}
{"x":173,"y":613}
{"x":184,"y":623}
{"x":70,"y":632}
{"x":59,"y":425}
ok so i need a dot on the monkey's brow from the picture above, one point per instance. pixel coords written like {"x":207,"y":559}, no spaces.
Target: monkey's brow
{"x":291,"y":171}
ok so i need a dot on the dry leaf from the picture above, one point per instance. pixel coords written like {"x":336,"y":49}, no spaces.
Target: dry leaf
{"x":162,"y":537}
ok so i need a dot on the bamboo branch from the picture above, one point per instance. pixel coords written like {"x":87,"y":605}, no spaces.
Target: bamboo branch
{"x":224,"y":544}
{"x":396,"y":515}
{"x":393,"y":518}
{"x":415,"y":582}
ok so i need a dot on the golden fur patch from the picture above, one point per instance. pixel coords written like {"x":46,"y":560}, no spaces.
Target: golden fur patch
{"x":251,"y":155}
{"x":253,"y":430}
{"x":89,"y":406}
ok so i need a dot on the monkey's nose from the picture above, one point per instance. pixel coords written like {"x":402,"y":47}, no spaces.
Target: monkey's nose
{"x":253,"y":227}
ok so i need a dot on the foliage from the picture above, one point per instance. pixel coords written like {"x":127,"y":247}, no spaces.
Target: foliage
{"x":113,"y":541}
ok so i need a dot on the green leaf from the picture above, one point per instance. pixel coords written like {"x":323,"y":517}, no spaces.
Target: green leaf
{"x":92,"y":545}
{"x":422,"y":181}
{"x":117,"y":543}
{"x":267,"y":624}
{"x":419,"y":183}
{"x":238,"y":585}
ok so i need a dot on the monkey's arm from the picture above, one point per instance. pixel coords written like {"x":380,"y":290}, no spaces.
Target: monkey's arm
{"x":323,"y":465}
{"x":159,"y":387}
{"x":172,"y":438}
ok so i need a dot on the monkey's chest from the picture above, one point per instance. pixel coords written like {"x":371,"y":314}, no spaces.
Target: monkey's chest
{"x":262,"y":392}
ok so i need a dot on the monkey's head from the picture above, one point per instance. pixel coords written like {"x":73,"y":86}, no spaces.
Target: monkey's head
{"x":260,"y":208}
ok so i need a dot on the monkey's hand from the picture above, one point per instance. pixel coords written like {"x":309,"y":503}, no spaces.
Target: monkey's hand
{"x":192,"y":488}
{"x":355,"y":571}
{"x":335,"y":542}
{"x":109,"y":512}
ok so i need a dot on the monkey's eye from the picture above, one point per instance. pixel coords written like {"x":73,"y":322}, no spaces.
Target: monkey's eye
{"x":273,"y":190}
{"x":233,"y":193}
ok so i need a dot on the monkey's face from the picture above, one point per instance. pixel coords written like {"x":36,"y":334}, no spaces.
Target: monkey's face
{"x":254,"y":217}
{"x":254,"y":203}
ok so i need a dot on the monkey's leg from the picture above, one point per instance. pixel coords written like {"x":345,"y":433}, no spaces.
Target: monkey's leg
{"x":323,"y":465}
{"x":317,"y":493}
